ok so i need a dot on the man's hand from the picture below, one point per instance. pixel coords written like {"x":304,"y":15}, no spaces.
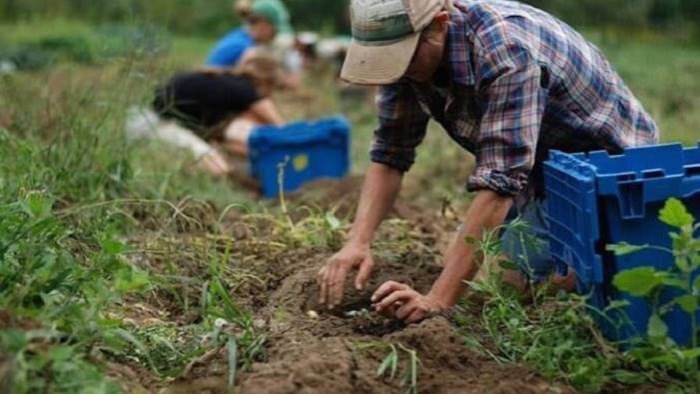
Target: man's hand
{"x":403,"y":303}
{"x":331,"y":278}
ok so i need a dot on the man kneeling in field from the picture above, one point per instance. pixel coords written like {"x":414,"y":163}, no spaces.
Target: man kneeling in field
{"x":508,"y":82}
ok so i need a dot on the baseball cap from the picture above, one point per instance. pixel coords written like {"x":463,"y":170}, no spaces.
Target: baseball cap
{"x":385,"y":37}
{"x":274,"y":12}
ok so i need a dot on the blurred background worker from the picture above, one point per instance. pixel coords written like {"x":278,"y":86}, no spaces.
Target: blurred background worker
{"x":265,"y":19}
{"x":194,"y":109}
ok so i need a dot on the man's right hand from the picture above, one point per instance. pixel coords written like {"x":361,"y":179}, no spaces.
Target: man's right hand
{"x":379,"y":192}
{"x":331,"y":278}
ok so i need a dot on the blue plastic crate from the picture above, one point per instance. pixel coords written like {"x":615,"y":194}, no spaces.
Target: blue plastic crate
{"x":599,"y":199}
{"x":303,"y":151}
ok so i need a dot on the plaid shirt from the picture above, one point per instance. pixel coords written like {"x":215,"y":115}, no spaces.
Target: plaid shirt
{"x":516,"y":82}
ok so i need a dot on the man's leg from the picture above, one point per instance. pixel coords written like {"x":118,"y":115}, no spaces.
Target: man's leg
{"x":238,"y":133}
{"x":145,"y":123}
{"x":208,"y":158}
{"x":525,"y":242}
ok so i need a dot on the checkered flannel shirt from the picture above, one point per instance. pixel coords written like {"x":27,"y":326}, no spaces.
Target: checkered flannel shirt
{"x":517,"y":82}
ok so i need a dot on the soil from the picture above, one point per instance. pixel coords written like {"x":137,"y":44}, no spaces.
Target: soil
{"x":310,"y":349}
{"x":313,"y":350}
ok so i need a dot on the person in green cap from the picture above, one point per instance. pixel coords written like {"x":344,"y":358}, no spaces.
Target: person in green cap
{"x":265,"y":19}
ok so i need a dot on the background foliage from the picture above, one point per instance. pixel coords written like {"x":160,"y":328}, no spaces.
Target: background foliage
{"x":206,"y":16}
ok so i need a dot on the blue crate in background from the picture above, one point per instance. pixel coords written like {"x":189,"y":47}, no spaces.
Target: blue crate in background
{"x":304,"y":151}
{"x":598,"y":199}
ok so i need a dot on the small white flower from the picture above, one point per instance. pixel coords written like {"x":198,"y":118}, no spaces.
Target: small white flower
{"x":220,"y":323}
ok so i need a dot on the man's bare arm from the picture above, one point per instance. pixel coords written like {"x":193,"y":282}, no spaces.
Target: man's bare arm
{"x":487,"y":211}
{"x":381,"y":186}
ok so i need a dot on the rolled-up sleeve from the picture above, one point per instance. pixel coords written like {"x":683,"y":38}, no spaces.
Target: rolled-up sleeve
{"x":513,"y":94}
{"x":402,"y":127}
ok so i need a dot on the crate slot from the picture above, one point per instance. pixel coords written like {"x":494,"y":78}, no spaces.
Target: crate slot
{"x":630,"y":176}
{"x":692,"y":170}
{"x":653,"y":174}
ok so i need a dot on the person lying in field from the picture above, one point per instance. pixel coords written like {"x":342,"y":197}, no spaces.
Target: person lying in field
{"x":195,"y":108}
{"x":508,"y":82}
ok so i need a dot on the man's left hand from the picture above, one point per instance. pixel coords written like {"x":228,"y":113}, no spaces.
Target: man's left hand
{"x":403,"y":303}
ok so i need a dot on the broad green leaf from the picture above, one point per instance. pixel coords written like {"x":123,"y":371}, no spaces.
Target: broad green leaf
{"x":683,"y":264}
{"x":695,"y":257}
{"x":674,"y":282}
{"x":675,"y":214}
{"x":679,"y":241}
{"x":624,"y":248}
{"x":657,"y":328}
{"x":112,"y":247}
{"x":61,"y":353}
{"x":689,"y":303}
{"x":131,"y":279}
{"x":638,"y":281}
{"x":232,"y":350}
{"x":663,"y":360}
{"x":691,"y":354}
{"x":38,"y":205}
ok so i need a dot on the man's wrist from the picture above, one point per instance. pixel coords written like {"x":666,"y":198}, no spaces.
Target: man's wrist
{"x":442,"y":303}
{"x":360,"y":240}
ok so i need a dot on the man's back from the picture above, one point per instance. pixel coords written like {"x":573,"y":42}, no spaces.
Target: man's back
{"x":585,"y":93}
{"x":521,"y":83}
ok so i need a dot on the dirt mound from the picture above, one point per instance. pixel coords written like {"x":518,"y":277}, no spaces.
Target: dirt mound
{"x":314,"y":350}
{"x":348,"y":364}
{"x":310,"y":349}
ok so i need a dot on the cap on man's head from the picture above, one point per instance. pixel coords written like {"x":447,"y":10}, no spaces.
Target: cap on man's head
{"x":385,"y":37}
{"x":274,"y":12}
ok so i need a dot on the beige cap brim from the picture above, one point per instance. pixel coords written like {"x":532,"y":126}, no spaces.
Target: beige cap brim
{"x":379,"y":65}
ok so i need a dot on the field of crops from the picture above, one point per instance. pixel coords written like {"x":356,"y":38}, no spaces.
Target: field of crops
{"x":124,"y":269}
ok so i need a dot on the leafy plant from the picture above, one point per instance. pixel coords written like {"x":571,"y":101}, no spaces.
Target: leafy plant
{"x":233,"y":328}
{"x":553,"y":333}
{"x":648,"y":282}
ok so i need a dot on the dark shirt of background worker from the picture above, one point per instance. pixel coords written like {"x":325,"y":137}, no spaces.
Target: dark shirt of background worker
{"x":265,"y":19}
{"x":222,"y":105}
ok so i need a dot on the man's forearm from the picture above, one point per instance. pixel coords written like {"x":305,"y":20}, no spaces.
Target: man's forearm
{"x":487,"y":211}
{"x":382,"y":185}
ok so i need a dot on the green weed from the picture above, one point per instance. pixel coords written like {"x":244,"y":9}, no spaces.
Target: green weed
{"x":658,"y":350}
{"x":552,"y":333}
{"x":389,"y":366}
